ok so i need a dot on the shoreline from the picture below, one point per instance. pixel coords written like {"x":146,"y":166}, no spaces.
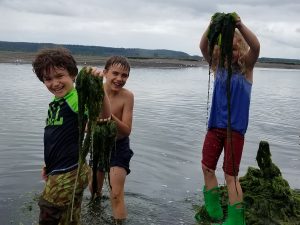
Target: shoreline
{"x":26,"y":58}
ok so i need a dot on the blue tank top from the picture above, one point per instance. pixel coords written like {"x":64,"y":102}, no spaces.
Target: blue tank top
{"x":240,"y":102}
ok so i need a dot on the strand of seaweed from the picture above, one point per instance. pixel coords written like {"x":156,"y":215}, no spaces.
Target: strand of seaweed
{"x":207,"y":100}
{"x":104,"y":138}
{"x":98,"y":139}
{"x":221,"y":33}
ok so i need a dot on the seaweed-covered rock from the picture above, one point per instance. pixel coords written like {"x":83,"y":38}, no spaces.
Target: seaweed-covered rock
{"x":267,"y":195}
{"x":268,"y":198}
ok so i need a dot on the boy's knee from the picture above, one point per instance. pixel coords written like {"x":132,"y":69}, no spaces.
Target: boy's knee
{"x":116,"y":196}
{"x":49,"y":213}
{"x":207,"y":171}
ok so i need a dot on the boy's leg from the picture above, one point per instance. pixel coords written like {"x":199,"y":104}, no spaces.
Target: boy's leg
{"x":233,"y":149}
{"x":235,"y":193}
{"x":212,"y":148}
{"x":82,"y":183}
{"x":100,"y":181}
{"x":231,"y":165}
{"x":66,"y":217}
{"x":117,"y":182}
{"x":58,"y":194}
{"x":232,"y":158}
{"x":50,"y":214}
{"x":210,"y":178}
{"x":119,"y":169}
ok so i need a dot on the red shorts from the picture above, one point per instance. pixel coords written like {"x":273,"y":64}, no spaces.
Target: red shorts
{"x":215,"y":140}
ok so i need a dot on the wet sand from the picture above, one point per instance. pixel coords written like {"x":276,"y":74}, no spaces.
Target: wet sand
{"x":26,"y":58}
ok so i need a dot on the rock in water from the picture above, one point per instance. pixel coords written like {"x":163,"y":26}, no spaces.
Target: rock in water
{"x":267,"y":195}
{"x":268,"y":198}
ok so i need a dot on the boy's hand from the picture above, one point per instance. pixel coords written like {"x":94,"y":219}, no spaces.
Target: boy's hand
{"x":44,"y":174}
{"x":237,"y":19}
{"x":97,"y":72}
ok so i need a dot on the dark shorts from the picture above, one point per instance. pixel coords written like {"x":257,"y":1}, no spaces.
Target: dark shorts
{"x":215,"y":141}
{"x":121,"y":155}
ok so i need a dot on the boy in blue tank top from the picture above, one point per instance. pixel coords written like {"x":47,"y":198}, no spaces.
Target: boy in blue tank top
{"x":57,"y":69}
{"x":245,"y":51}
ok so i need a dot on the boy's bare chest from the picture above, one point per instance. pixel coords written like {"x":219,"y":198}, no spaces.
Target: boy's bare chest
{"x":117,"y":107}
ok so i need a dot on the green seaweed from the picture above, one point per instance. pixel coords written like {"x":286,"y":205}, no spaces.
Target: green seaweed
{"x":221,"y":33}
{"x":95,"y":138}
{"x":90,"y":97}
{"x":268,"y":197}
{"x":104,"y":141}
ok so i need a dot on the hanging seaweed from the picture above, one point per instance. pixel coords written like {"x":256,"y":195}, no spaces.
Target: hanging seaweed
{"x":104,"y":138}
{"x":268,"y":197}
{"x":96,"y":139}
{"x":90,"y":98}
{"x":221,"y":33}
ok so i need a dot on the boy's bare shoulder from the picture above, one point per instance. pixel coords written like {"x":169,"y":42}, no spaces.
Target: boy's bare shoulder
{"x":126,"y":93}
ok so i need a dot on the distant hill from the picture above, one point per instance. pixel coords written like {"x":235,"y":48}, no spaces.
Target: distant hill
{"x":279,"y":60}
{"x":97,"y":50}
{"x":26,"y":51}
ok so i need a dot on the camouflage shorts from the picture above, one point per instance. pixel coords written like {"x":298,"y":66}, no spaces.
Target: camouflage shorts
{"x":56,"y":199}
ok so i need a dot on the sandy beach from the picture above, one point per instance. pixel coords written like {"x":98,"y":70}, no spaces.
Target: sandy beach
{"x":26,"y":58}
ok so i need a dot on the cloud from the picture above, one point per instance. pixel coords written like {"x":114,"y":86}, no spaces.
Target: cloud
{"x":156,"y":24}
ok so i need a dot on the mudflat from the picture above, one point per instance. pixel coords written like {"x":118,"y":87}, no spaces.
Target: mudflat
{"x":26,"y":58}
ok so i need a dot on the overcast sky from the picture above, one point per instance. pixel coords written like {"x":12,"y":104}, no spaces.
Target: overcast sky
{"x":150,"y":24}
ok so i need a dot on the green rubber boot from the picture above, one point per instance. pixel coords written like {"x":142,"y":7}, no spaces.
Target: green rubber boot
{"x":212,"y":203}
{"x":236,"y":214}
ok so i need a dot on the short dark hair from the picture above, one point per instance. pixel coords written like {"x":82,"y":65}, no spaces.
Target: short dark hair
{"x":117,"y":60}
{"x":54,"y":57}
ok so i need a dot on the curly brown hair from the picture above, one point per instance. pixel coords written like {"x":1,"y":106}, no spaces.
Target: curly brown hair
{"x":49,"y":58}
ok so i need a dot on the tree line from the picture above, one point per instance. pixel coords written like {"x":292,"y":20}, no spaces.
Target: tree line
{"x":29,"y":47}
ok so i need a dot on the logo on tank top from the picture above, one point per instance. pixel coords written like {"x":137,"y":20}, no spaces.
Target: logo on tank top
{"x":54,"y":117}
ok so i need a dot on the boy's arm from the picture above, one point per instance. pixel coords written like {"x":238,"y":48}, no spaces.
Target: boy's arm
{"x":251,"y":39}
{"x":44,"y":174}
{"x":204,"y":45}
{"x":125,"y":123}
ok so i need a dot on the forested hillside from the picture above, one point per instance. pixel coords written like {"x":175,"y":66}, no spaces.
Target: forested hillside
{"x":10,"y":49}
{"x":97,"y":50}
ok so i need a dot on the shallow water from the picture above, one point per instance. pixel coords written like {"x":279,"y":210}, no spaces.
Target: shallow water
{"x":168,"y":130}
